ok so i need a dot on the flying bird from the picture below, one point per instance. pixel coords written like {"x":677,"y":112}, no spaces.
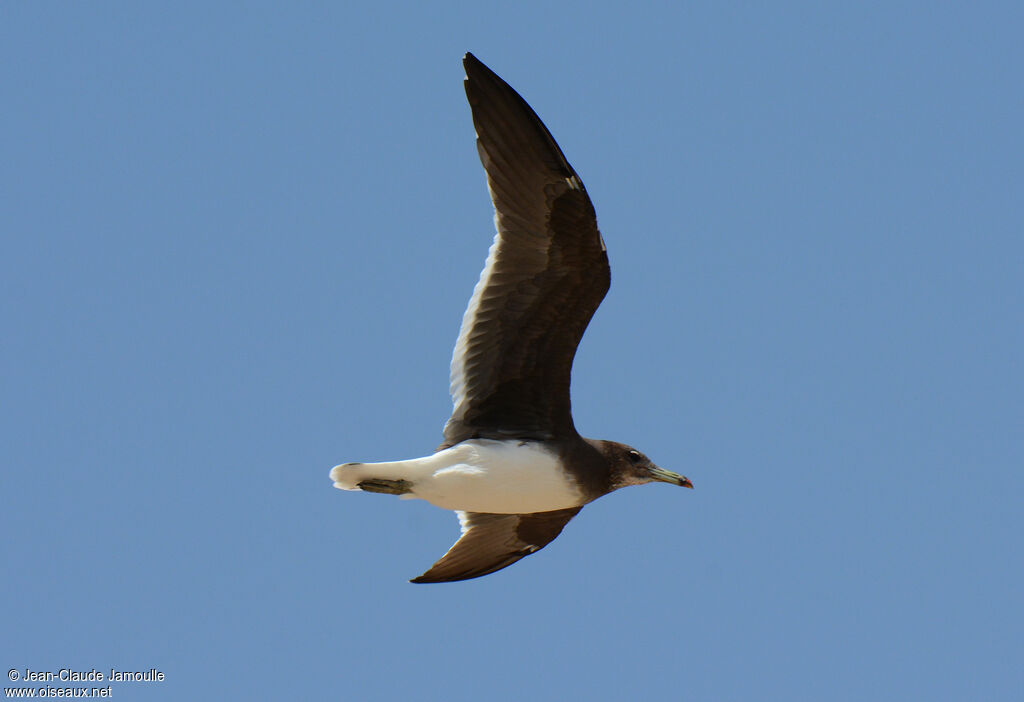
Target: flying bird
{"x":512,"y":465}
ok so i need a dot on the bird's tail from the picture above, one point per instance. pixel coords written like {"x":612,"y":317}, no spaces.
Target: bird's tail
{"x":392,"y":478}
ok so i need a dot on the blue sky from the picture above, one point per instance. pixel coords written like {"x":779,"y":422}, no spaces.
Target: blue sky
{"x":237,"y":244}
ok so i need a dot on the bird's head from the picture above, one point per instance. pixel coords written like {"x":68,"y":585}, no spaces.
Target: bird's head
{"x":634,"y":468}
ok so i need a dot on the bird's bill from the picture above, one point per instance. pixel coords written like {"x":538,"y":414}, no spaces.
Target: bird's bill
{"x":667,"y":476}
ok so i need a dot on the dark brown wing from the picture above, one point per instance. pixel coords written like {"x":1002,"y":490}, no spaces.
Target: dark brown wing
{"x":490,"y":542}
{"x":546,"y":273}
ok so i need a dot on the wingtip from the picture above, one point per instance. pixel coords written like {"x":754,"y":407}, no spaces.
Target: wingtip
{"x":426,"y":579}
{"x":474,"y":66}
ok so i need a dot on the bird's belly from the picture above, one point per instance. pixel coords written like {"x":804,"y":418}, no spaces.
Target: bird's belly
{"x":501,"y":477}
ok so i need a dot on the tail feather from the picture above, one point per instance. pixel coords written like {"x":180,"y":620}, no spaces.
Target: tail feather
{"x":365,"y":476}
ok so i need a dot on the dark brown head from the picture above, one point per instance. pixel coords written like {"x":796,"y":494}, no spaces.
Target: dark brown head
{"x":630,"y":467}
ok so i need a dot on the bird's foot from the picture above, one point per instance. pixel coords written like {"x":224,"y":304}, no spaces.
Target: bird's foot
{"x":388,"y":487}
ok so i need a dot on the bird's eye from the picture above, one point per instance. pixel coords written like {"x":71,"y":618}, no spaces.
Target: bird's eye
{"x":635,"y":456}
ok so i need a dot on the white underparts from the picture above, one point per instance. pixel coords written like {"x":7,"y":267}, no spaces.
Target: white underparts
{"x":480,"y":475}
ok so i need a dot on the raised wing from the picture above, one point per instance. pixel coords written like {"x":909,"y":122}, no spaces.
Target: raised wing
{"x":545,"y":275}
{"x":490,"y":542}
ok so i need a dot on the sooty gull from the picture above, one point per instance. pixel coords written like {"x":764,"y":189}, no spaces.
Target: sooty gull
{"x":512,"y":464}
